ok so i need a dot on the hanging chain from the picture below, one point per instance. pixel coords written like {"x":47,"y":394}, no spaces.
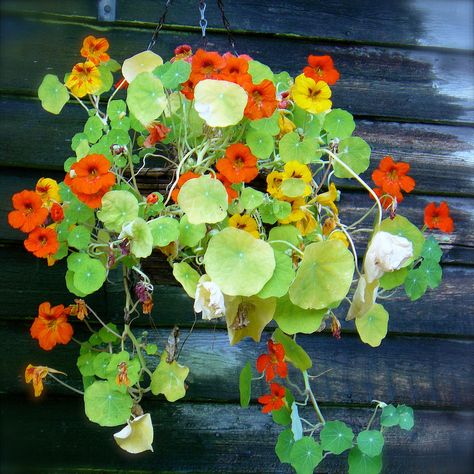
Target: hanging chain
{"x":203,"y":22}
{"x":220,"y":4}
{"x":161,"y":22}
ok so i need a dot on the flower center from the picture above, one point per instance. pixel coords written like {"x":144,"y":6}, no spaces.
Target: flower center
{"x":239,"y":162}
{"x":312,"y":93}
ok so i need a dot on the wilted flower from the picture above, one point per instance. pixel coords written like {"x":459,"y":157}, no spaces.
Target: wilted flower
{"x":209,"y":299}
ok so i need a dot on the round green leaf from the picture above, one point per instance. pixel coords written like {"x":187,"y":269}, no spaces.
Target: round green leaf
{"x":433,"y":272}
{"x":187,"y":276}
{"x":259,"y":72}
{"x":168,"y":379}
{"x":339,"y":124}
{"x":146,"y":98}
{"x":78,"y":212}
{"x":267,"y":125}
{"x":360,"y":463}
{"x":416,"y":283}
{"x":370,"y":442}
{"x":336,"y":437}
{"x":431,"y":250}
{"x":281,"y":279}
{"x":391,"y":280}
{"x":292,"y":319}
{"x":118,"y":208}
{"x":389,"y":416}
{"x":406,"y":417}
{"x":204,"y":200}
{"x":139,"y":234}
{"x":70,"y":285}
{"x":76,"y":260}
{"x":117,"y":136}
{"x":250,"y":199}
{"x":79,"y":237}
{"x":116,"y":110}
{"x":324,"y":276}
{"x":239,"y":263}
{"x":284,"y":446}
{"x":53,"y":94}
{"x":146,"y":61}
{"x":101,"y":362}
{"x":219,"y":103}
{"x":404,"y":228}
{"x":173,"y":74}
{"x":293,"y":187}
{"x":305,"y":455}
{"x":260,"y":143}
{"x":281,"y":234}
{"x":164,"y":230}
{"x":291,"y":148}
{"x":245,"y":385}
{"x":355,"y":153}
{"x":93,"y":129}
{"x":373,"y":325}
{"x":90,"y":276}
{"x":190,"y":234}
{"x":85,"y":363}
{"x":105,"y":406}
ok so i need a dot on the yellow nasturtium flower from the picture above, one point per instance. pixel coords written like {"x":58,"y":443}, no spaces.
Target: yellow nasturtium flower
{"x":306,"y":225}
{"x":295,"y":169}
{"x":84,"y":79}
{"x":285,"y":124}
{"x":327,"y":199}
{"x":310,"y":95}
{"x":339,"y":235}
{"x":245,"y":222}
{"x":274,"y":180}
{"x":48,"y":190}
{"x":297,"y":213}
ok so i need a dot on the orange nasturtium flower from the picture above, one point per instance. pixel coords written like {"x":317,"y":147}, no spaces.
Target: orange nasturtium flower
{"x":90,"y":178}
{"x":273,"y":363}
{"x":438,"y":217}
{"x":391,"y":178}
{"x":231,"y":192}
{"x":245,"y":222}
{"x":235,"y":69}
{"x":182,"y":179}
{"x":36,"y":374}
{"x":262,"y":100}
{"x":158,"y":133}
{"x":29,"y":212}
{"x":57,"y":212}
{"x":48,"y":191}
{"x":321,"y":68}
{"x":274,"y":400}
{"x":94,"y":49}
{"x":312,"y":96}
{"x":78,"y":309}
{"x":84,"y":79}
{"x":42,"y":242}
{"x":239,"y":164}
{"x":206,"y":64}
{"x":50,"y":327}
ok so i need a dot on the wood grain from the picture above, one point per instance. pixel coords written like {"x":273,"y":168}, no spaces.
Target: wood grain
{"x":413,"y":370}
{"x":412,"y":23}
{"x":410,"y":85}
{"x":211,"y":438}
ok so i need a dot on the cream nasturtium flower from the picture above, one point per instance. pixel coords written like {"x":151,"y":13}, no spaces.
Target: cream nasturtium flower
{"x":386,"y":253}
{"x":146,"y":61}
{"x":209,"y":299}
{"x":220,"y":103}
{"x":137,"y":435}
{"x":310,"y":95}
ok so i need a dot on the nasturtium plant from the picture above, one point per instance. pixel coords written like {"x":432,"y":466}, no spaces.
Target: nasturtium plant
{"x":247,"y":213}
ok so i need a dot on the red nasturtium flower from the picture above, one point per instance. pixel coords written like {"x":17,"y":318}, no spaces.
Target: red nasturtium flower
{"x":262,"y":100}
{"x":152,"y":198}
{"x":182,"y":179}
{"x":274,"y":400}
{"x":207,"y":64}
{"x":57,"y":212}
{"x":94,"y":49}
{"x":273,"y":363}
{"x":50,"y":327}
{"x":238,"y":165}
{"x":438,"y":217}
{"x":28,"y":213}
{"x":90,"y":178}
{"x":391,"y":178}
{"x":158,"y":133}
{"x":183,"y":51}
{"x":42,"y":242}
{"x":321,"y":68}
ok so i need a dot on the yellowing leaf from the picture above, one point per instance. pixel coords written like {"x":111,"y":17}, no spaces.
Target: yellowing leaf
{"x":168,"y":379}
{"x":372,"y":327}
{"x":137,"y":436}
{"x":145,"y":61}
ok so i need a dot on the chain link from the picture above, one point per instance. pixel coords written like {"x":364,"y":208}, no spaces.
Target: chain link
{"x":225,"y":21}
{"x":158,"y":28}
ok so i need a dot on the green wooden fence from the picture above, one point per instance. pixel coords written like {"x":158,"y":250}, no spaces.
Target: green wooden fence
{"x":407,"y":70}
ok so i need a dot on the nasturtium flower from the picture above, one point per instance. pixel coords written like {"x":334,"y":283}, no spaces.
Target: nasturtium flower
{"x":48,"y":191}
{"x":182,"y":179}
{"x":209,"y":299}
{"x":94,"y":49}
{"x":235,"y":69}
{"x":273,"y":401}
{"x":42,"y":242}
{"x":158,"y":133}
{"x":339,"y":235}
{"x":50,"y":327}
{"x":245,"y":222}
{"x":262,"y":100}
{"x":231,"y":193}
{"x":90,"y":178}
{"x":297,"y":211}
{"x":391,"y":178}
{"x":239,"y":164}
{"x":296,"y":170}
{"x":78,"y":309}
{"x":386,"y":253}
{"x":273,"y":363}
{"x":29,"y":212}
{"x":207,"y":64}
{"x":183,"y":51}
{"x":310,"y":95}
{"x":84,"y":79}
{"x":274,"y":180}
{"x":57,"y":212}
{"x":35,"y":374}
{"x":307,"y":224}
{"x":321,"y":68}
{"x":438,"y":217}
{"x":146,"y":61}
{"x":328,"y":198}
{"x":137,"y":435}
{"x":285,"y":124}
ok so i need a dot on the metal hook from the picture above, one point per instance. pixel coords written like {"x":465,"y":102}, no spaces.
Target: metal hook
{"x":203,"y":21}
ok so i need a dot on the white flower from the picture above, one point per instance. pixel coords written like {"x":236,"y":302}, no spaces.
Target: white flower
{"x":209,"y":299}
{"x":363,"y":299}
{"x":137,"y":435}
{"x":386,"y":253}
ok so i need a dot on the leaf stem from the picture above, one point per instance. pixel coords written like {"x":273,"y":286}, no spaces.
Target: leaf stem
{"x":312,"y":397}
{"x":80,"y":392}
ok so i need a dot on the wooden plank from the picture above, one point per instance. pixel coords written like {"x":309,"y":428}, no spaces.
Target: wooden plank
{"x":432,"y":314}
{"x":431,"y":23}
{"x":413,"y":370}
{"x":410,"y":85}
{"x":442,"y":157}
{"x":211,"y":438}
